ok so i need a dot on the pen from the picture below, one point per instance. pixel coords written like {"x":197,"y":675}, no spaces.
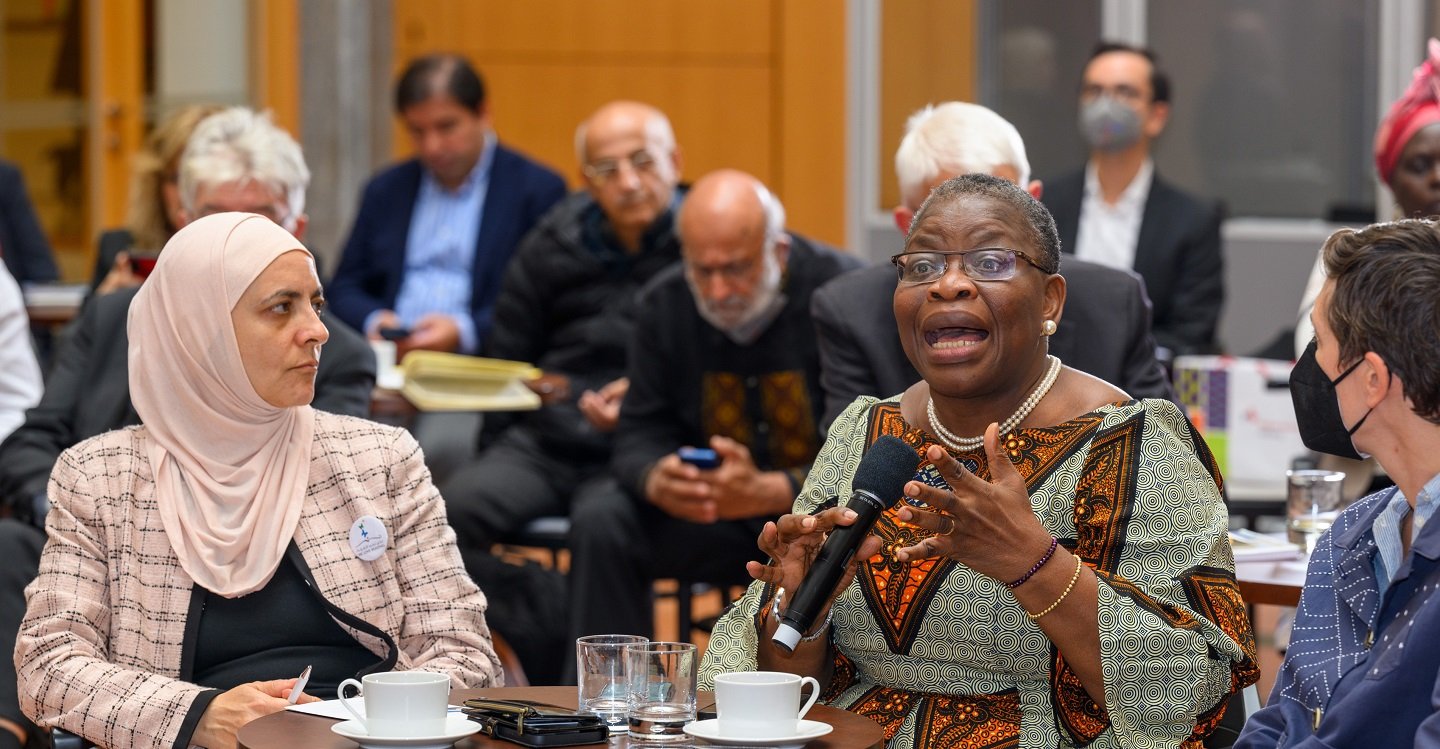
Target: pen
{"x":299,"y":685}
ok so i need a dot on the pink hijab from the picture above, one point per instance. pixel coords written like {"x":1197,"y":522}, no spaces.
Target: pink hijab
{"x":230,"y":469}
{"x":1417,"y":108}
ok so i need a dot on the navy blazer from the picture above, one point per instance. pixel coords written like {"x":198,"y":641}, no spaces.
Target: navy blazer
{"x":1177,"y":253}
{"x":372,"y":265}
{"x":22,"y":241}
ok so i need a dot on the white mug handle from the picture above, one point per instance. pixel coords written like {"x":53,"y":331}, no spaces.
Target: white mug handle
{"x":340,"y":693}
{"x":814,"y":694}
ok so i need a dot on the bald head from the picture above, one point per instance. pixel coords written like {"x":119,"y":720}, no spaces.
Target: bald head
{"x":732,"y":237}
{"x":630,"y":164}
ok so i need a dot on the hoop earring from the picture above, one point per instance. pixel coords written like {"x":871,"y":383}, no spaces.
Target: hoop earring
{"x":1048,"y":328}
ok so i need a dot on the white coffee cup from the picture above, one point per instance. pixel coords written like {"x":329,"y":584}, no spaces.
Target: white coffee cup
{"x":761,"y":704}
{"x":401,"y":704}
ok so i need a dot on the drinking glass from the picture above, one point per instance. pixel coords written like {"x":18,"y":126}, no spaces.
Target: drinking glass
{"x":662,"y":679}
{"x":600,"y":668}
{"x":1313,"y":499}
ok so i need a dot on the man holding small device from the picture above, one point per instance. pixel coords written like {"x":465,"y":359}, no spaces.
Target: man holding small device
{"x":720,"y":422}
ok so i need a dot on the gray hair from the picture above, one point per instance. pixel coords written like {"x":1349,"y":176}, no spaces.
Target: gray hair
{"x":956,"y":138}
{"x":240,"y":144}
{"x":1039,"y":224}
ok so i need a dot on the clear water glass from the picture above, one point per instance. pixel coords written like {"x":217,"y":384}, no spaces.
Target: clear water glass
{"x":661,"y":677}
{"x":600,"y":673}
{"x":1313,"y":500}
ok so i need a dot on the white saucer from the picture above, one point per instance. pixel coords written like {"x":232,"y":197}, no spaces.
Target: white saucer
{"x":709,"y":730}
{"x":456,"y":727}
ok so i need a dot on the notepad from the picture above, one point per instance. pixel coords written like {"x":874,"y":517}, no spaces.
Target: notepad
{"x":438,"y":381}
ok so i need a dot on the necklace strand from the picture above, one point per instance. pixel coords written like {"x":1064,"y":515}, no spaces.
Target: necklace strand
{"x":958,"y":443}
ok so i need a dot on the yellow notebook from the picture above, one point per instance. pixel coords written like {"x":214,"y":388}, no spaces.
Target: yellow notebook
{"x":436,"y":381}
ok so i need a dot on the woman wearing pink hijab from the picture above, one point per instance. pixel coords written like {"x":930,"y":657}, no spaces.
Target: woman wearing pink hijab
{"x":198,"y":562}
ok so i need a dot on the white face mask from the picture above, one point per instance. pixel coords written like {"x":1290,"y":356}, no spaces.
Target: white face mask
{"x":1109,"y":124}
{"x":744,"y":326}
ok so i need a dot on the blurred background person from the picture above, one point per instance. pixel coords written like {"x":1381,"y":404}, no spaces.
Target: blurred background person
{"x":434,"y":234}
{"x":23,"y":244}
{"x":236,"y":542}
{"x":155,"y":211}
{"x":1117,"y":211}
{"x":723,"y":356}
{"x":20,"y":383}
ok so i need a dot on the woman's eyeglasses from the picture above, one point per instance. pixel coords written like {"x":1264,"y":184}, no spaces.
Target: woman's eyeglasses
{"x":985,"y":264}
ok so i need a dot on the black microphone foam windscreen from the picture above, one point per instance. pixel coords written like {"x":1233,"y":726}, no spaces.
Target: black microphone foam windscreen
{"x":885,"y":468}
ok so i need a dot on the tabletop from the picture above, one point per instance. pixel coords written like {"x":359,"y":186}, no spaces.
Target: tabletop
{"x":1272,"y":583}
{"x":286,"y":729}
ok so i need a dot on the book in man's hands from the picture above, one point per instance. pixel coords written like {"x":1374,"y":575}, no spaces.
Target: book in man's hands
{"x":437,"y":381}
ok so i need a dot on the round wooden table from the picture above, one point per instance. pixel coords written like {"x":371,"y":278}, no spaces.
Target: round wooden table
{"x":286,"y":729}
{"x":1272,"y":583}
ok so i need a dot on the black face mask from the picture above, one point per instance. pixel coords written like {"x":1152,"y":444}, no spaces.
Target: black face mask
{"x":1317,"y":410}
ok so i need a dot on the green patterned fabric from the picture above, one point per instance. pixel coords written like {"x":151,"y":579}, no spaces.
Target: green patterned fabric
{"x":940,"y":655}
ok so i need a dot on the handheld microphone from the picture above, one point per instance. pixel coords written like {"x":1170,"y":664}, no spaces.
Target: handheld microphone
{"x":879,"y":481}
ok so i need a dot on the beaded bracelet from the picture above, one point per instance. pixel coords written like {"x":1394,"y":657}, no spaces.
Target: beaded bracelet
{"x":1073,"y":577}
{"x":1048,"y":553}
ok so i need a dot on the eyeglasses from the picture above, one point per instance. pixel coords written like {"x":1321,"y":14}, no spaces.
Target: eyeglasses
{"x":605,"y":170}
{"x":985,"y":264}
{"x":1123,"y":92}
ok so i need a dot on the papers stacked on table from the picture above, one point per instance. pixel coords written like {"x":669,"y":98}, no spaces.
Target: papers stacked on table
{"x":1250,"y":546}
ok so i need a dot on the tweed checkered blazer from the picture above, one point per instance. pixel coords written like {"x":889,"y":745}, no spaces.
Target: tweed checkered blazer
{"x":99,"y":652}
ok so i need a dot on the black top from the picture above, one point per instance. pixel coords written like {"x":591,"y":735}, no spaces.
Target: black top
{"x":568,"y":306}
{"x":274,"y":633}
{"x":689,"y":381}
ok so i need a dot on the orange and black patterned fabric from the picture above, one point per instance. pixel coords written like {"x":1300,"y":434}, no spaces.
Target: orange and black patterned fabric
{"x":942,"y":656}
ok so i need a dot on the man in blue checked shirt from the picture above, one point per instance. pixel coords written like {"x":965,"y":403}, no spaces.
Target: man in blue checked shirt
{"x":433,"y":234}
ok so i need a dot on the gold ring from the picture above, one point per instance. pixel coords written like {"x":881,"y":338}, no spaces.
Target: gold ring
{"x":951,"y":529}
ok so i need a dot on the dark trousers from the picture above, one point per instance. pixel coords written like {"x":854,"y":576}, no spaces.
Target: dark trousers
{"x":21,"y":544}
{"x":620,"y":545}
{"x":512,"y":482}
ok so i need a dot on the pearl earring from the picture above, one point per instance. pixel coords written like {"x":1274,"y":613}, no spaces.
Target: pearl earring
{"x":1048,"y":328}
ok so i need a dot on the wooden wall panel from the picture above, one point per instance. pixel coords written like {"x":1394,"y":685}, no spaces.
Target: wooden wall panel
{"x":275,"y":61}
{"x":751,"y":84}
{"x":927,"y":55}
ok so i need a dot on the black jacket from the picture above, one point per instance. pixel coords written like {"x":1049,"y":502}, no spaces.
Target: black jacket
{"x":567,"y":305}
{"x":22,"y":241}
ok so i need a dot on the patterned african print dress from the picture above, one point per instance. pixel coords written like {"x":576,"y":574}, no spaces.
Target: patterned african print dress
{"x":942,"y":656}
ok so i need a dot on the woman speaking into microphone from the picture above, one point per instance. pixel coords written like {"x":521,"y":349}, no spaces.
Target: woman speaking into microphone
{"x":1056,"y":573}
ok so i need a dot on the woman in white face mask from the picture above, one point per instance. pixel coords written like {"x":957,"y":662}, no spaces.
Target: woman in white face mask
{"x":1366,"y":641}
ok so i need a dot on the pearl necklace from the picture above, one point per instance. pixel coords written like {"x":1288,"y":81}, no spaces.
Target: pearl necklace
{"x":958,"y":443}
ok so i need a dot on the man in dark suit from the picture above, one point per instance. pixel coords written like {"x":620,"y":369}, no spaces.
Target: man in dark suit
{"x":88,"y":390}
{"x":1105,"y":330}
{"x":1118,"y":212}
{"x":434,"y":234}
{"x":22,"y":241}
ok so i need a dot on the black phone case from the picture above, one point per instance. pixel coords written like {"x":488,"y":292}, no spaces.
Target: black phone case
{"x":535,"y":723}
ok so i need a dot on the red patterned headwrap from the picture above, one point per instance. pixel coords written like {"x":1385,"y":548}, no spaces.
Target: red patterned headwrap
{"x":1417,"y":108}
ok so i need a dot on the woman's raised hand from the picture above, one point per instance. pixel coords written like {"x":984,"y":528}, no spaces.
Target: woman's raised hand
{"x":793,"y":541}
{"x":985,"y":525}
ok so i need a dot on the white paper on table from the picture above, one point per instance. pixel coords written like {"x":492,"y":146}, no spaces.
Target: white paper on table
{"x":333,"y":708}
{"x":1250,"y":546}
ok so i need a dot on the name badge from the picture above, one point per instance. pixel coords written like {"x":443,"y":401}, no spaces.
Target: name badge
{"x":368,"y":538}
